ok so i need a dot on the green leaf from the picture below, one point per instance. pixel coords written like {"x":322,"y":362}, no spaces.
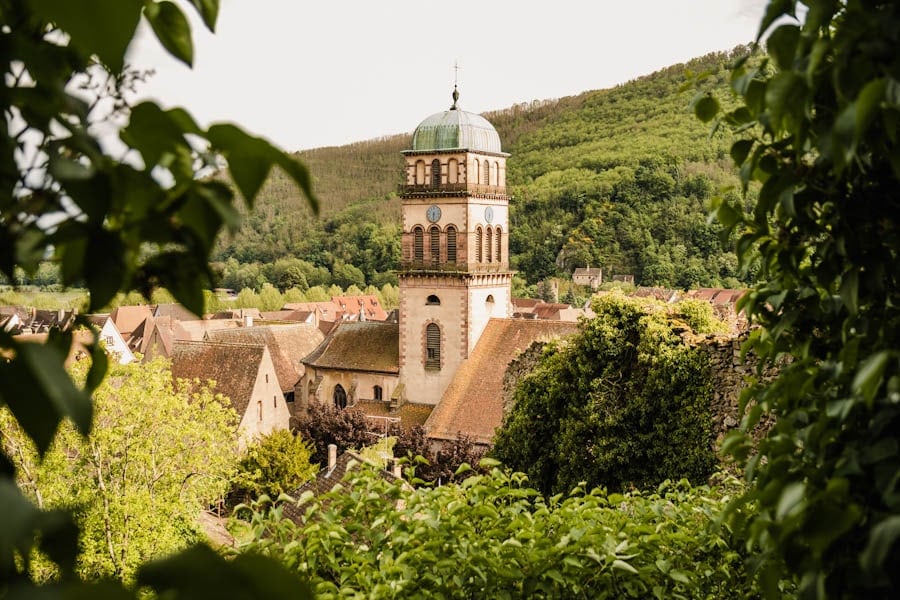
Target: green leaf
{"x":172,"y":30}
{"x":882,"y":538}
{"x":868,"y":101}
{"x":199,"y":572}
{"x":249,"y":159}
{"x":104,"y":267}
{"x":96,"y":27}
{"x":152,"y":132}
{"x":706,"y":108}
{"x":782,"y":45}
{"x":774,"y":10}
{"x":623,"y":566}
{"x":850,"y":290}
{"x":792,"y":500}
{"x":40,"y":393}
{"x":870,"y":374}
{"x":209,"y":12}
{"x":740,"y":150}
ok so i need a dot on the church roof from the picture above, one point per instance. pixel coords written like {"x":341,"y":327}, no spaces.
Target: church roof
{"x":456,"y":129}
{"x":473,"y":402}
{"x":372,"y":346}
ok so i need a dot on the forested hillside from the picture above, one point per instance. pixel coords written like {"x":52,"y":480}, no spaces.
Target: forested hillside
{"x":618,"y":178}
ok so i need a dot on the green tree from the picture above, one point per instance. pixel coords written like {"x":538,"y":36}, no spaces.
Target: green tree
{"x":156,"y":456}
{"x":118,"y":226}
{"x":623,"y":403}
{"x":272,"y":465}
{"x":821,"y":122}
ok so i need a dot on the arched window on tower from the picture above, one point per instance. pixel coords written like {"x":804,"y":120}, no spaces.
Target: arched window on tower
{"x":420,"y":172}
{"x":497,"y":241}
{"x":436,"y":173}
{"x":451,"y":244}
{"x":432,"y":300}
{"x":340,"y":396}
{"x":476,"y":173}
{"x":418,"y":244}
{"x":489,"y":246}
{"x":486,"y":173}
{"x":432,"y":346}
{"x":435,"y":235}
{"x":496,"y":173}
{"x":452,"y":171}
{"x":478,"y":234}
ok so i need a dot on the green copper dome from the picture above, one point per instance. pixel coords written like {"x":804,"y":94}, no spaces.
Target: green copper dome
{"x":456,"y":129}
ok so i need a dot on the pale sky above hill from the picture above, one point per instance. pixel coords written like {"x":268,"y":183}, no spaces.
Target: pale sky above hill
{"x":310,"y":74}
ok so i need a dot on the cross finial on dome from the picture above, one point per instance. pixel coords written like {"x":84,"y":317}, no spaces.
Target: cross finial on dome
{"x":455,"y":97}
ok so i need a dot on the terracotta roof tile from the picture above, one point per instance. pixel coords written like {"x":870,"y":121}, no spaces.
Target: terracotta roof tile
{"x":473,"y":402}
{"x":372,"y":346}
{"x":409,"y":413}
{"x":127,"y":318}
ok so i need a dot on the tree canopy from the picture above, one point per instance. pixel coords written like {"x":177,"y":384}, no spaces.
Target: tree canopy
{"x":819,"y":118}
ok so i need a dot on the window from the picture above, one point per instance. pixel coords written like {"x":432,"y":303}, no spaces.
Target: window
{"x":259,"y":410}
{"x":489,"y":304}
{"x":478,"y":244}
{"x":376,"y":392}
{"x":452,"y":171}
{"x":432,"y":346}
{"x":489,"y":245}
{"x":436,"y":173}
{"x":267,"y":378}
{"x":420,"y":172}
{"x":435,"y":234}
{"x":433,"y":300}
{"x":486,"y":174}
{"x":451,"y":244}
{"x":340,"y":396}
{"x":474,"y":178}
{"x":275,"y":401}
{"x":418,"y":244}
{"x":496,"y":173}
{"x":499,"y":231}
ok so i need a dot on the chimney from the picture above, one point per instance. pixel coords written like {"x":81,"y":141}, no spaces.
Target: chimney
{"x":332,"y":457}
{"x":248,"y":321}
{"x":397,"y":470}
{"x":362,"y":312}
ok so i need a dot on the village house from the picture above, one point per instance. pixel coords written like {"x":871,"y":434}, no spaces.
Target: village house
{"x":590,"y":277}
{"x":243,"y":373}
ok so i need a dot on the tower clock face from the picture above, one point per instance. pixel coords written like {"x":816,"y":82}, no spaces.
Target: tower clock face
{"x":488,"y":214}
{"x":433,"y":213}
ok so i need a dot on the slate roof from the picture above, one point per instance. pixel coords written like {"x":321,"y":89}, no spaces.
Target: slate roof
{"x":371,"y":346}
{"x":233,"y":367}
{"x":288,"y":345}
{"x":473,"y":402}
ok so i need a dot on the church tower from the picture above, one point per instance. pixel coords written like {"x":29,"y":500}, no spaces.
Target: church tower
{"x":454,"y":270}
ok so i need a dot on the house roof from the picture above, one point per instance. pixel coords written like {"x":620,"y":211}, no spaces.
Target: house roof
{"x":327,"y":480}
{"x":176,"y":311}
{"x":372,"y":346}
{"x":234,"y":367}
{"x":409,"y":413}
{"x":473,"y":402}
{"x":288,"y":345}
{"x":301,"y":316}
{"x":127,"y":318}
{"x":352,"y":305}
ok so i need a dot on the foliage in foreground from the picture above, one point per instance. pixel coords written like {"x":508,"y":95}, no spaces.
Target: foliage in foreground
{"x":624,"y":403}
{"x":821,"y":122}
{"x":117,"y":225}
{"x":155,"y":458}
{"x":491,"y":536}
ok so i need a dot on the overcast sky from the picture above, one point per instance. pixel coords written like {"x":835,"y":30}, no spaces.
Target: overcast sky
{"x":326,"y":73}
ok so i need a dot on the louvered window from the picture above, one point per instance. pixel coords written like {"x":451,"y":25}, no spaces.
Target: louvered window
{"x":451,"y":244}
{"x":435,"y":235}
{"x":418,"y":245}
{"x":436,"y":173}
{"x":489,"y":245}
{"x":487,"y":173}
{"x":478,"y":235}
{"x":432,"y":346}
{"x":498,"y":243}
